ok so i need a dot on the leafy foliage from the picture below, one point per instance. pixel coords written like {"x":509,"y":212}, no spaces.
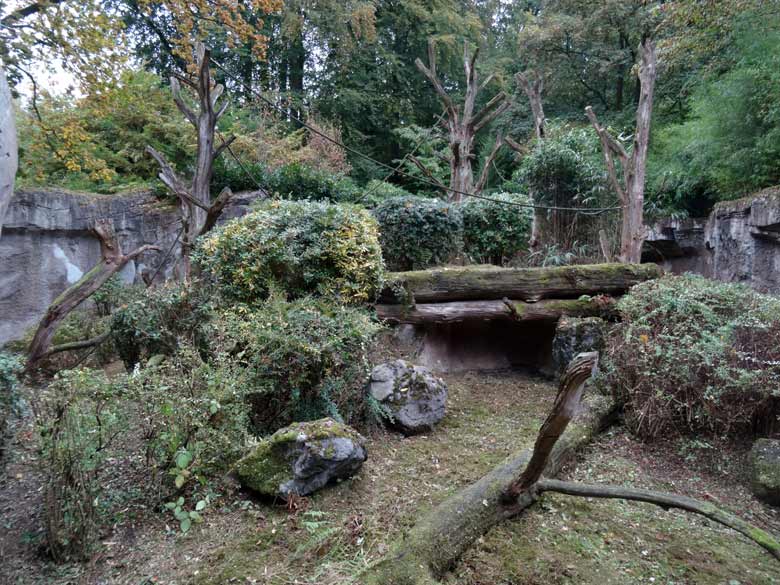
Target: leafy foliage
{"x":729,"y":144}
{"x":10,"y":368}
{"x":153,"y":321}
{"x":299,"y":247}
{"x":77,"y":418}
{"x":97,"y":142}
{"x":304,"y":359}
{"x":416,"y":233}
{"x":692,"y":356}
{"x":494,"y":232}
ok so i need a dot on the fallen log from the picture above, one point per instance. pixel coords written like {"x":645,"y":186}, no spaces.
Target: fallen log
{"x":486,"y":283}
{"x":504,"y":310}
{"x":440,"y":537}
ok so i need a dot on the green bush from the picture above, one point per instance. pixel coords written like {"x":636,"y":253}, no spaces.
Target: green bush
{"x":494,"y":232}
{"x":77,"y":418}
{"x":416,"y":233}
{"x":299,"y":247}
{"x":195,"y":413}
{"x":305,"y":359}
{"x":296,"y":181}
{"x":10,"y":368}
{"x":692,"y":355}
{"x":376,"y":192}
{"x":153,"y":321}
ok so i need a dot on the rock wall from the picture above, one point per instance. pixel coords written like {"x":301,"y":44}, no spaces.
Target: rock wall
{"x":738,"y":242}
{"x":47,"y":244}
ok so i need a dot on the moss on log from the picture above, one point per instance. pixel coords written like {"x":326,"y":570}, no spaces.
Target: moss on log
{"x":485,"y":283}
{"x":442,"y":535}
{"x":505,"y":310}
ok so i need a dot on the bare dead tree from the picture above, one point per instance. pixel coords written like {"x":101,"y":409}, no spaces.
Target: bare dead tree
{"x":112,"y":260}
{"x":442,"y":535}
{"x":463,"y":123}
{"x":8,"y":147}
{"x":199,"y":213}
{"x":631,"y":190}
{"x":532,"y":83}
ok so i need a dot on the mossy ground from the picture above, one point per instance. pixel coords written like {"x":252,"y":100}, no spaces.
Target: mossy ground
{"x":328,"y":538}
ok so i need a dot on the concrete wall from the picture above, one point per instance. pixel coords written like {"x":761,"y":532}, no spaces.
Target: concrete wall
{"x":47,"y":244}
{"x":738,"y":242}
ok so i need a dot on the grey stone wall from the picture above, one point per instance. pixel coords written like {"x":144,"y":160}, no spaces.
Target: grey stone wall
{"x":47,"y":244}
{"x":738,"y":242}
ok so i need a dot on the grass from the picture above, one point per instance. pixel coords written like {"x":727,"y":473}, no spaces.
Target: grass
{"x":329,"y":538}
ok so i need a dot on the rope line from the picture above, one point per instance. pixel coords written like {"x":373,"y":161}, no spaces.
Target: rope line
{"x":240,"y":82}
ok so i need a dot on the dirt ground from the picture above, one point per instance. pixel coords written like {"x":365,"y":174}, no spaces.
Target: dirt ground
{"x":329,"y":537}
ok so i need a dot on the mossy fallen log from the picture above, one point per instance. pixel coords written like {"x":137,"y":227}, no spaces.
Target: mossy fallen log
{"x":504,"y":310}
{"x":486,"y":283}
{"x":441,"y":536}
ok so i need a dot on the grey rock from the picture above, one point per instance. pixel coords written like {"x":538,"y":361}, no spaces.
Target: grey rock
{"x":302,"y":458}
{"x":47,"y":245}
{"x":765,"y":470}
{"x":414,"y":397}
{"x":575,"y":335}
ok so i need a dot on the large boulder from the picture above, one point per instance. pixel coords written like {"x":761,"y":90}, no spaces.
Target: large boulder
{"x":302,"y":458}
{"x":412,"y":395}
{"x":765,"y":470}
{"x":575,"y":335}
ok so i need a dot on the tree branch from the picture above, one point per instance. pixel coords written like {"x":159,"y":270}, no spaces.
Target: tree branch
{"x":426,"y":171}
{"x":609,"y":146}
{"x":75,"y":345}
{"x":183,"y":107}
{"x":216,"y":210}
{"x":568,"y":399}
{"x":430,"y":74}
{"x":495,"y":107}
{"x":485,"y":172}
{"x":665,"y":501}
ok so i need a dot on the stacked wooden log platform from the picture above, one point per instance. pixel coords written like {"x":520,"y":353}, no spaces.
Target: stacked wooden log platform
{"x":456,"y":294}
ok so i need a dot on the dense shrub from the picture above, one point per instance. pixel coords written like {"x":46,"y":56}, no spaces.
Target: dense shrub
{"x":496,"y":230}
{"x":376,"y":192}
{"x":194,"y":413}
{"x":77,"y":418}
{"x":694,"y":355}
{"x":153,"y":321}
{"x":299,"y":247}
{"x":304,"y":359}
{"x":298,"y":181}
{"x":10,"y":368}
{"x":417,"y":233}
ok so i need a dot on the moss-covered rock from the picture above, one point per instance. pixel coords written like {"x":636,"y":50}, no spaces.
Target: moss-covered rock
{"x":765,"y":470}
{"x":302,"y":458}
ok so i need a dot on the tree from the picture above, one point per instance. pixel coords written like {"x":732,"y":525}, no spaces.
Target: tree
{"x":198,"y":212}
{"x":463,"y":123}
{"x":631,"y":191}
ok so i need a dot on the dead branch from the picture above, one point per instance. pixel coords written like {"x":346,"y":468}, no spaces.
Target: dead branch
{"x":569,"y":395}
{"x":112,"y":260}
{"x":427,"y":172}
{"x":76,"y":345}
{"x":665,"y":501}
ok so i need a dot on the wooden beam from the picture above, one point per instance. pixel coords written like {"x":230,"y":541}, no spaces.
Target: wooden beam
{"x":504,"y":310}
{"x":485,"y":283}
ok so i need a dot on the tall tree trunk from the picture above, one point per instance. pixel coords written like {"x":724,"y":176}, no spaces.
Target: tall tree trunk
{"x":532,"y":83}
{"x":8,"y":146}
{"x":198,"y":212}
{"x":631,"y":190}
